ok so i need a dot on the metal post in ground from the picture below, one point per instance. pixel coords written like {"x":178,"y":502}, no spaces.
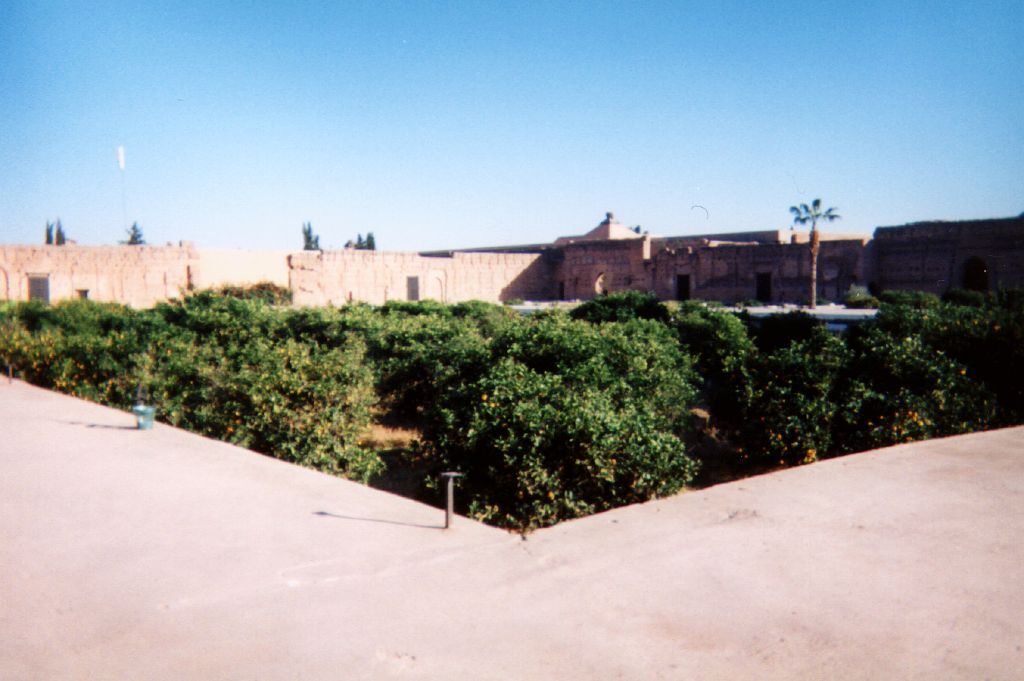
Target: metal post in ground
{"x":449,"y":510}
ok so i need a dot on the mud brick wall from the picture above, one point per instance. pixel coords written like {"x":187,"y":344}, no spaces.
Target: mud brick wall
{"x":337,"y":277}
{"x":930,"y":256}
{"x":139,"y":276}
{"x":220,"y":267}
{"x":729,"y":272}
{"x":725,"y":272}
{"x":933,"y":256}
{"x":588,"y":268}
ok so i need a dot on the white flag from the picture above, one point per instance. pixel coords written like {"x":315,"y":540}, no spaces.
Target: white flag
{"x":120,"y":157}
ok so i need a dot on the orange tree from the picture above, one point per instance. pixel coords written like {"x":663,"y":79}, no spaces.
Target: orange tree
{"x":83,"y":348}
{"x":898,"y":389}
{"x":788,"y":418}
{"x":566,"y":418}
{"x":233,"y":369}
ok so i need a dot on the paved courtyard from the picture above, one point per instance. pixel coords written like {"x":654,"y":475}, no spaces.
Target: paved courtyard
{"x":129,"y":554}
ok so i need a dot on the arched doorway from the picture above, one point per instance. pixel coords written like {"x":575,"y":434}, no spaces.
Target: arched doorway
{"x":975,"y":274}
{"x":601,"y":284}
{"x":436,"y":286}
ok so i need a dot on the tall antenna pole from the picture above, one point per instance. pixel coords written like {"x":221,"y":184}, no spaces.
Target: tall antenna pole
{"x":124,"y":202}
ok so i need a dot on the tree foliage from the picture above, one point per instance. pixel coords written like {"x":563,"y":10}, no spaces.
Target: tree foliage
{"x":620,"y":307}
{"x":549,"y":417}
{"x":135,"y":237}
{"x":563,"y":418}
{"x":54,"y":235}
{"x":266,"y":291}
{"x":221,"y":366}
{"x":310,"y":241}
{"x":788,"y":419}
{"x":364,"y":244}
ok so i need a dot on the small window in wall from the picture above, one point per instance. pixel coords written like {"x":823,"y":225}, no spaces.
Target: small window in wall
{"x":764,"y":287}
{"x":39,"y":287}
{"x":412,"y":288}
{"x":975,"y":274}
{"x":682,"y":287}
{"x":83,"y":293}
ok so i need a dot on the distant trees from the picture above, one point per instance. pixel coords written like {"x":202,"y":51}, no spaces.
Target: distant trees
{"x":55,"y":234}
{"x":361,"y":244}
{"x":135,"y":237}
{"x":803,"y":214}
{"x":310,"y":241}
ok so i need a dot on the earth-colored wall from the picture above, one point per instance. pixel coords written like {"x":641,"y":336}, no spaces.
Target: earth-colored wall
{"x":933,"y":256}
{"x":724,"y":271}
{"x":729,"y":272}
{"x":337,"y":277}
{"x":220,"y":267}
{"x":139,"y":276}
{"x":591,"y":267}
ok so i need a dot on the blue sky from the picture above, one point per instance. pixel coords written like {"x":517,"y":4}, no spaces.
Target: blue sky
{"x":438,"y":125}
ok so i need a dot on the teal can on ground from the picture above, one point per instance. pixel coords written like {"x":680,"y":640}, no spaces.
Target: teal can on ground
{"x":144,"y":416}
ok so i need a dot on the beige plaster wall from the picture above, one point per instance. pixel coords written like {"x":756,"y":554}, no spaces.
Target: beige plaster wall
{"x":139,"y":276}
{"x":926,"y":256}
{"x":337,"y":277}
{"x":219,"y":267}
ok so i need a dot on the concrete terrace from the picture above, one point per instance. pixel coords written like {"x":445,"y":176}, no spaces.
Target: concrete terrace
{"x":163,"y":555}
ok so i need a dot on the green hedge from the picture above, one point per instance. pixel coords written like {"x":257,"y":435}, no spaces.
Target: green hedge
{"x":550,"y":416}
{"x":219,"y":365}
{"x":564,"y":418}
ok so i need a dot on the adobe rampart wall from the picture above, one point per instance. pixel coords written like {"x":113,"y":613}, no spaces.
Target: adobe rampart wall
{"x":219,"y":267}
{"x":733,"y":273}
{"x":937,"y":256}
{"x":337,"y":277}
{"x":934,"y":256}
{"x":725,"y":272}
{"x":140,"y":276}
{"x":589,"y":268}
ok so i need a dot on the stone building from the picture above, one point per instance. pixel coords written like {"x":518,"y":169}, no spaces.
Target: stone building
{"x":771,"y":266}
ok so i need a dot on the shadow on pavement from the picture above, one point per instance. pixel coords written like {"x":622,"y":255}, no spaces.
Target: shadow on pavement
{"x":327,"y":514}
{"x":100,"y":425}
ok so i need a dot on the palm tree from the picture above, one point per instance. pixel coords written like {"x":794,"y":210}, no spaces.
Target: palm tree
{"x":803,"y":214}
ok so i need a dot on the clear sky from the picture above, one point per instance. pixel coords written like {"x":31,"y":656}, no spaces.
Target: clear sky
{"x":438,"y":125}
